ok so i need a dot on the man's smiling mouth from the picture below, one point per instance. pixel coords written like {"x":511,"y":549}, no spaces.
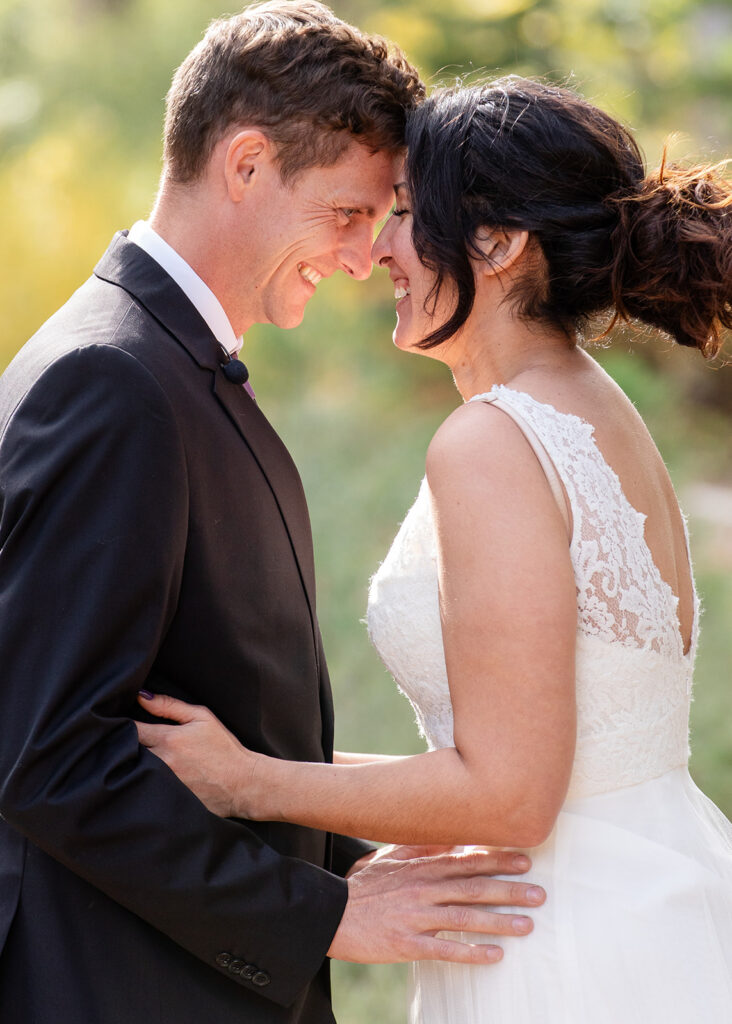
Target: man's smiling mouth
{"x":309,"y":273}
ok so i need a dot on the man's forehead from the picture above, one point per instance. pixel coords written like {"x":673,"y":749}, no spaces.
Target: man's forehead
{"x":362,"y":178}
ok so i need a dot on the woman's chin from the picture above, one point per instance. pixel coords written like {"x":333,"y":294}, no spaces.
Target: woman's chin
{"x":403,"y":346}
{"x":404,"y":339}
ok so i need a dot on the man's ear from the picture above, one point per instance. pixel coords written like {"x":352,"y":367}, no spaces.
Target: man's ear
{"x":501,"y":248}
{"x":247,"y":154}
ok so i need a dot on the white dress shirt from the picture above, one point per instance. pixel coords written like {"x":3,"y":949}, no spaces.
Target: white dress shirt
{"x":188,"y":280}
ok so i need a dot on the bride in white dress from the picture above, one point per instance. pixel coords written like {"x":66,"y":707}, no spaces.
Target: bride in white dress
{"x":537,"y":605}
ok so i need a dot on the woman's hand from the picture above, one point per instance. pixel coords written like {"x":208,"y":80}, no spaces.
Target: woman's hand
{"x":204,"y":755}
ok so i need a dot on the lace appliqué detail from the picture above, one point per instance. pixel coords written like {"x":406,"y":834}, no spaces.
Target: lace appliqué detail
{"x":621,"y":595}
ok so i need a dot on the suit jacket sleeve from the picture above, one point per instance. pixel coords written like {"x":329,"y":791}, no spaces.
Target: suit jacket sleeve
{"x":346,"y":851}
{"x":93,"y":526}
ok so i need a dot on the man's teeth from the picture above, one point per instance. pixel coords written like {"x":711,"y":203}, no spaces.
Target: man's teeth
{"x":400,"y":291}
{"x":309,"y":273}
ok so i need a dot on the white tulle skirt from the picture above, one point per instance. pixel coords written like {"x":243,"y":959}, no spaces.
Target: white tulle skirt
{"x":636,"y":929}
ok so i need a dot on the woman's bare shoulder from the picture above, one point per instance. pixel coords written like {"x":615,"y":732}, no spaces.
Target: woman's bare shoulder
{"x":476,"y":442}
{"x":467,"y":433}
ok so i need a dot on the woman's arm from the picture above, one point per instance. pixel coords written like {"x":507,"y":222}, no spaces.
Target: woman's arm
{"x":508,"y":608}
{"x":348,"y":757}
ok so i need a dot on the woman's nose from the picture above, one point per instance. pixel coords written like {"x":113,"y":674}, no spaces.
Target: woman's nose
{"x":381,"y":249}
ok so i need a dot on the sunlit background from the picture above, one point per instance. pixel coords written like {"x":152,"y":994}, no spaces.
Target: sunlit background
{"x":82,"y":84}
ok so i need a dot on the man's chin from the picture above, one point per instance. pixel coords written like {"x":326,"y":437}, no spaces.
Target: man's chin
{"x":287,"y":319}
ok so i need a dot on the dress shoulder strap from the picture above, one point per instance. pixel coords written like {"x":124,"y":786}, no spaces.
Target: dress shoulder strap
{"x":546,"y":463}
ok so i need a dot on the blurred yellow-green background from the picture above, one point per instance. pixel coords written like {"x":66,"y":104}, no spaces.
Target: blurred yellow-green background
{"x":82,"y":84}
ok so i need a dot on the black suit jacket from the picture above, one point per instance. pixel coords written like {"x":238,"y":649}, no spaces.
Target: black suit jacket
{"x":153,"y":533}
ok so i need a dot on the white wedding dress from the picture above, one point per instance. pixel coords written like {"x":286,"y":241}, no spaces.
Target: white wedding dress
{"x":637,"y":926}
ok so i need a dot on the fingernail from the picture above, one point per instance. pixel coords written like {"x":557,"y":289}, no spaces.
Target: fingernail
{"x":521,"y":925}
{"x":521,"y":862}
{"x":534,"y":894}
{"x":493,"y":953}
{"x":146,"y":695}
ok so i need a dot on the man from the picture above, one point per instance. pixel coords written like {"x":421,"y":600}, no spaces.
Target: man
{"x":154,"y":535}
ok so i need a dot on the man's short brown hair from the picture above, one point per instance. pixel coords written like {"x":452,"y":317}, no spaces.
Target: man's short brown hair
{"x":295,"y":70}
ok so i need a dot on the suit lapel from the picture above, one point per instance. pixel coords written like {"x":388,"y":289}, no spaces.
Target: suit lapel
{"x":126,"y":265}
{"x":280,"y":471}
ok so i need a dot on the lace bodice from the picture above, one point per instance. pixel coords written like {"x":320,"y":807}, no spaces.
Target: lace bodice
{"x":633,"y":678}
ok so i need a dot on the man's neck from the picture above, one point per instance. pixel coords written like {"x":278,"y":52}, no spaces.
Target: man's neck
{"x":189,"y":281}
{"x":176,"y":220}
{"x":192,"y":220}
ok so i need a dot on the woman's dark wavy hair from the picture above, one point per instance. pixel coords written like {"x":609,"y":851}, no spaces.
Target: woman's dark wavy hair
{"x":524,"y":155}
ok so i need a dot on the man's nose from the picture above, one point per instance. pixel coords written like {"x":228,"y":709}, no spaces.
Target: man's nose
{"x":356,"y":253}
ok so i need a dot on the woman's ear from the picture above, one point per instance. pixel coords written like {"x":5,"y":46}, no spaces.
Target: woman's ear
{"x":246,"y":155}
{"x":500,"y":249}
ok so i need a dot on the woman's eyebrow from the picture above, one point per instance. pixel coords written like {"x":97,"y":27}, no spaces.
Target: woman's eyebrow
{"x":399,"y":184}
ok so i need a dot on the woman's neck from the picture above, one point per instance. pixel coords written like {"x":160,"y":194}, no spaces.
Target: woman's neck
{"x":502,"y":349}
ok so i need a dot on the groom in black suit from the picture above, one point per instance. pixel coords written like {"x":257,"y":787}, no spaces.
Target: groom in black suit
{"x":154,"y":535}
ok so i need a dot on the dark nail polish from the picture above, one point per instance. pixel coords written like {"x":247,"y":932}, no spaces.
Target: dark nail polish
{"x":146,"y":694}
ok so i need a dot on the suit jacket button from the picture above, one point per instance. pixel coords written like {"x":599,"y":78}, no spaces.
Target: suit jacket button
{"x":249,"y":971}
{"x":224,"y":959}
{"x":236,"y":966}
{"x":261,"y":978}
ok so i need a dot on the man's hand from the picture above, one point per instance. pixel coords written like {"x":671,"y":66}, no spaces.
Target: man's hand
{"x":400,"y":897}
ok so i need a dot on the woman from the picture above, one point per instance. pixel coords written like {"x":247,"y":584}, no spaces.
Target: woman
{"x":537,"y":605}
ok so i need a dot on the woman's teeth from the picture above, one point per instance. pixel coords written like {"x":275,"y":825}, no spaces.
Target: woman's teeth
{"x":309,"y":273}
{"x":400,"y":291}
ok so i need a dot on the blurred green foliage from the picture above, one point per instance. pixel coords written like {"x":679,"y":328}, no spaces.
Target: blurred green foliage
{"x":82,"y":86}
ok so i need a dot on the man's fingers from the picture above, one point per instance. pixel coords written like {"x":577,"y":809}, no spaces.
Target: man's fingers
{"x":470,"y":878}
{"x":461,"y":878}
{"x":427,"y":948}
{"x":490,"y":862}
{"x":482,"y":922}
{"x":416,"y":908}
{"x":495,"y":892}
{"x":162,"y":706}
{"x":476,"y":862}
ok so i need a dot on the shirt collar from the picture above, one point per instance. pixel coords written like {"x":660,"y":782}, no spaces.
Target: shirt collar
{"x":188,"y":280}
